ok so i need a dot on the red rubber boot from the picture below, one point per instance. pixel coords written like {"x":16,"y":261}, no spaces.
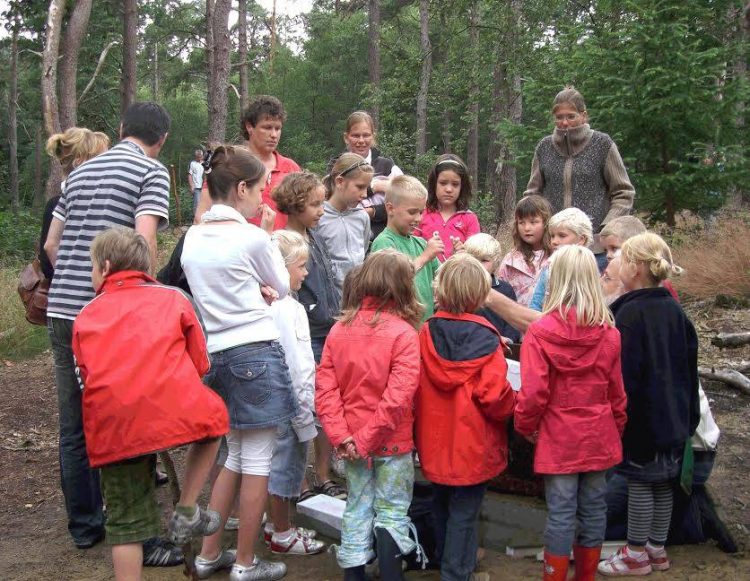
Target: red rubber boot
{"x":586,"y":561}
{"x":555,"y":567}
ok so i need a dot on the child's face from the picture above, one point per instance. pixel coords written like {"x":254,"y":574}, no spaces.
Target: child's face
{"x":297,"y":273}
{"x":447,"y":189}
{"x":249,"y":197}
{"x":631,"y":275}
{"x":611,"y":283}
{"x":405,"y":216}
{"x":360,"y":138}
{"x":531,"y":230}
{"x":352,"y":190}
{"x":98,"y":274}
{"x":562,"y":237}
{"x":313,"y":208}
{"x":611,"y":244}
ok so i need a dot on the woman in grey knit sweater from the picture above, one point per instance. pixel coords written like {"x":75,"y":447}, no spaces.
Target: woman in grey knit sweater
{"x":577,"y":166}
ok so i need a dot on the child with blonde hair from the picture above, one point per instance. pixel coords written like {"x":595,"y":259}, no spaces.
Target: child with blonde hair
{"x":660,"y":371}
{"x":523,"y":265}
{"x":617,"y":231}
{"x":405,"y":204}
{"x":366,"y":407}
{"x":487,"y":250}
{"x":462,"y":405}
{"x":569,"y":226}
{"x":344,"y":228}
{"x":571,"y":384}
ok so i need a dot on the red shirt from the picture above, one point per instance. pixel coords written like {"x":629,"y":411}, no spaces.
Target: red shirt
{"x":284,"y":166}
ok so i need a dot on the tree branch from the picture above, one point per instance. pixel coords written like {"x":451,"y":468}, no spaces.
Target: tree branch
{"x":729,"y":377}
{"x":98,"y":68}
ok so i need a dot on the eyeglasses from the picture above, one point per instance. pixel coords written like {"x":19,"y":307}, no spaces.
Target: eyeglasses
{"x":569,"y":117}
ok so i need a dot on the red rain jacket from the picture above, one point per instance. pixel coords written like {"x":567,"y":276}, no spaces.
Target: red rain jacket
{"x":366,"y":381}
{"x":572,"y":393}
{"x":463,"y":401}
{"x":141,"y":352}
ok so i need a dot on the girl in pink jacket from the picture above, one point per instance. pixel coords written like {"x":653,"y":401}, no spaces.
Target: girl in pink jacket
{"x":365,"y":406}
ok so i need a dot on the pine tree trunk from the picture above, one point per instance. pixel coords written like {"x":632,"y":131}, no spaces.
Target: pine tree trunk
{"x":210,"y":77}
{"x":50,"y":109}
{"x":129,"y":53}
{"x":71,"y":47}
{"x":472,"y":139}
{"x":424,"y":78}
{"x":12,"y":117}
{"x":373,"y":55}
{"x":242,"y":54}
{"x":217,"y":115}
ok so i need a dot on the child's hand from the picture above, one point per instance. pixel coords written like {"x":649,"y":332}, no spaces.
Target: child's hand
{"x":267,"y":217}
{"x":268,"y":293}
{"x":348,"y":450}
{"x":506,"y":344}
{"x":435,"y":246}
{"x":458,"y":244}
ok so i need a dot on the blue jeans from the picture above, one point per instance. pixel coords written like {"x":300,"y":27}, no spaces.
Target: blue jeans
{"x":576,"y":510}
{"x":456,"y":510}
{"x":288,"y":463}
{"x":196,"y":198}
{"x":80,"y":484}
{"x":317,"y":346}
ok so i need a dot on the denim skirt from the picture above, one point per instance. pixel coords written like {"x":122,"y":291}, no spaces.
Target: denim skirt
{"x":254,"y":382}
{"x":663,"y":467}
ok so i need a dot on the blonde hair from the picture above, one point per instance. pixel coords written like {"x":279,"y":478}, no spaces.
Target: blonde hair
{"x":623,"y":227}
{"x":485,"y":248}
{"x":650,"y":249}
{"x":386,"y":276}
{"x":124,"y":248}
{"x":574,"y":283}
{"x":360,"y":117}
{"x":292,"y":245}
{"x":76,"y":145}
{"x":574,"y":220}
{"x":405,"y":187}
{"x":569,"y":96}
{"x":348,"y":165}
{"x":462,"y":284}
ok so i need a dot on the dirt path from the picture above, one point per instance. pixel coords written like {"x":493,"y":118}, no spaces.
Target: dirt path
{"x":35,"y":543}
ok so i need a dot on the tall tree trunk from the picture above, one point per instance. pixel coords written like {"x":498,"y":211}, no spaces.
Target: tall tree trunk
{"x":129,"y":53}
{"x":272,"y":47}
{"x":210,"y":93}
{"x":373,"y":55}
{"x":12,"y":118}
{"x":472,"y":139}
{"x":71,"y":47}
{"x":242,"y":54}
{"x":155,"y":73}
{"x":217,"y":114}
{"x":50,"y":110}
{"x":424,"y":77}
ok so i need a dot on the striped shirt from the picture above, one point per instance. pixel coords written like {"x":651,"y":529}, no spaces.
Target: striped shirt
{"x":112,"y":189}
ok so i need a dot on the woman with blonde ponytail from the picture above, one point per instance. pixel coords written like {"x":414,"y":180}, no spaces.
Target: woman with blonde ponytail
{"x":660,"y":371}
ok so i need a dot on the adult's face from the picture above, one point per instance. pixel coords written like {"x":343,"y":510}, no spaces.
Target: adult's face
{"x":264,"y":137}
{"x":567,"y":116}
{"x":359,"y":138}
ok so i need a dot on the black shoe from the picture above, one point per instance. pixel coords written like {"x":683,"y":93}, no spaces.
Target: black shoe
{"x":355,"y":574}
{"x":161,"y":553}
{"x":88,"y":544}
{"x":389,"y":556}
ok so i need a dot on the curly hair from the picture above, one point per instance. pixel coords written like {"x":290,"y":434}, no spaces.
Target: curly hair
{"x":260,"y":107}
{"x":292,"y":194}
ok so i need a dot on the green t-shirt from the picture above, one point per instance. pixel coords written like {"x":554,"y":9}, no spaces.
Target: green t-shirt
{"x":413,"y":247}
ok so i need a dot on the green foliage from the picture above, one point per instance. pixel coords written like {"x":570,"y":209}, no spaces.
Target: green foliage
{"x":20,"y":238}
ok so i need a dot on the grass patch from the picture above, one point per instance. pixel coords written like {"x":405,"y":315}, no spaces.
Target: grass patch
{"x":19,"y":339}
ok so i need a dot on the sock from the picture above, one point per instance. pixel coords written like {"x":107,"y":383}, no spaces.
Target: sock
{"x":186,"y":511}
{"x":654,"y":548}
{"x":285,"y":536}
{"x":634,"y":553}
{"x":268,"y":527}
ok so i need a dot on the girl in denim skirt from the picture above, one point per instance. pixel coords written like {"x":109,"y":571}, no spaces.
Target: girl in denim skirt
{"x":572,"y":405}
{"x":233,"y":268}
{"x":365,"y":404}
{"x":660,"y":370}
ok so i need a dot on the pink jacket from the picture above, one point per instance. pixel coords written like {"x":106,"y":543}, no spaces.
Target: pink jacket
{"x":523,"y":278}
{"x":461,"y":225}
{"x":366,"y":383}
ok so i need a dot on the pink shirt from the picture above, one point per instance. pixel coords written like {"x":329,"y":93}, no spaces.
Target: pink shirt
{"x":522,"y":277}
{"x":461,"y":225}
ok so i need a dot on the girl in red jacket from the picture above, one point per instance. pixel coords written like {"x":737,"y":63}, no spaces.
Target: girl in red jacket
{"x":463,"y":401}
{"x":572,"y":404}
{"x":365,"y":406}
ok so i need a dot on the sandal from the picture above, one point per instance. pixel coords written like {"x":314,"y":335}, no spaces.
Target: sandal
{"x":333,"y":489}
{"x":305,"y":494}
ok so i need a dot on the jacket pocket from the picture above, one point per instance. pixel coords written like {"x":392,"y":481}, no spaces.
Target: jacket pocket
{"x":250,"y":382}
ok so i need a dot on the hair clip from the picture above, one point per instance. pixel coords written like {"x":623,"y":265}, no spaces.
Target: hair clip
{"x":451,"y":162}
{"x":355,"y":165}
{"x":207,"y":157}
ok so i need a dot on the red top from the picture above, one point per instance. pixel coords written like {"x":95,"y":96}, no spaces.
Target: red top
{"x":366,"y":382}
{"x":284,"y":166}
{"x":463,"y":401}
{"x":141,"y":352}
{"x":572,"y":394}
{"x":460,"y":225}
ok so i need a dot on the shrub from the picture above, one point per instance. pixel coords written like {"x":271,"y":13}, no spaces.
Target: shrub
{"x":20,"y":237}
{"x":716,"y":260}
{"x":19,"y":339}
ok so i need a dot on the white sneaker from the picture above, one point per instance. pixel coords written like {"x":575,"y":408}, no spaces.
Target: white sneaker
{"x":625,"y":564}
{"x":296,"y":544}
{"x":205,"y":568}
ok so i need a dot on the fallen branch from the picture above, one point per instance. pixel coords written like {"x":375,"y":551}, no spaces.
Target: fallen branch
{"x":731,"y":339}
{"x":174,"y":487}
{"x":730,"y":377}
{"x":97,"y":69}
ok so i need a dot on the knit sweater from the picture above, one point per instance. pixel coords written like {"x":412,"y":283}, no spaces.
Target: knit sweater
{"x":581,"y":167}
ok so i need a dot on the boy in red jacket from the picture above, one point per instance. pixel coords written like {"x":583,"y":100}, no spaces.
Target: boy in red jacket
{"x":141,"y":353}
{"x":463,"y":402}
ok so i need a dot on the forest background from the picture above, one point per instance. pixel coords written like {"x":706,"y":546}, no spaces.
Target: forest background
{"x":666,"y":79}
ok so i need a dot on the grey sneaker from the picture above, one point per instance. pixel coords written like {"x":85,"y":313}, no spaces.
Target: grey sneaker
{"x":259,"y":571}
{"x":205,"y":568}
{"x":204,"y":522}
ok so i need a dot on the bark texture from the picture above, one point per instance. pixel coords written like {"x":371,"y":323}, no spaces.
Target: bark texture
{"x":219,"y":72}
{"x":424,"y":77}
{"x":242,"y":54}
{"x":129,"y":53}
{"x":71,"y":47}
{"x":373,"y":55}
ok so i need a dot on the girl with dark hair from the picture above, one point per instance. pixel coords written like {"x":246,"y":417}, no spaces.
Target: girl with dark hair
{"x":448,"y":197}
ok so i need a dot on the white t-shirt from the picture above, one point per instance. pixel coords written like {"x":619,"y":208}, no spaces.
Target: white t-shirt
{"x":196,"y":172}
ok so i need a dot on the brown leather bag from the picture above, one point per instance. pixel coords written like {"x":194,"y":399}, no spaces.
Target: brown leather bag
{"x":33,"y":289}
